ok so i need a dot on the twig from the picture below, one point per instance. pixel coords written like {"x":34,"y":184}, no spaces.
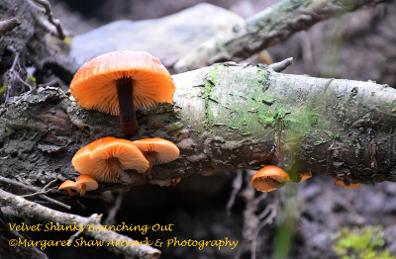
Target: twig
{"x":8,"y":25}
{"x":48,"y":11}
{"x":267,"y":28}
{"x":27,"y":208}
{"x":34,"y":189}
{"x":13,"y":75}
{"x":75,"y":235}
{"x":44,"y":190}
{"x":254,"y":220}
{"x":37,"y":193}
{"x":266,"y":217}
{"x":282,"y":65}
{"x":49,"y":184}
{"x":50,"y":83}
{"x":110,"y":219}
{"x":236,"y":187}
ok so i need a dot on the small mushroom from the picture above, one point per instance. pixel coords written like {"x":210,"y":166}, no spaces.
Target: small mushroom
{"x":305,"y":175}
{"x":157,"y":150}
{"x":70,"y":187}
{"x":105,"y":159}
{"x":340,"y":183}
{"x":86,"y":183}
{"x":120,"y":82}
{"x":269,"y":178}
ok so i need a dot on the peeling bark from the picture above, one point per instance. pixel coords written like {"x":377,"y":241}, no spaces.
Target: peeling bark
{"x":267,"y":28}
{"x":224,"y":117}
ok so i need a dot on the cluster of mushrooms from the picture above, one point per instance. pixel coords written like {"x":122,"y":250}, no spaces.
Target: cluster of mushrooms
{"x":119,"y":83}
{"x":271,"y":177}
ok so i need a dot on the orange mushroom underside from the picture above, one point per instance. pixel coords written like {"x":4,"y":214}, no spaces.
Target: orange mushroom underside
{"x":94,"y":84}
{"x":105,"y":158}
{"x":158,"y":150}
{"x":269,"y":178}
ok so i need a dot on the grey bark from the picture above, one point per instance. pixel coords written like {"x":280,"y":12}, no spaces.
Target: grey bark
{"x":28,"y":38}
{"x":224,"y":117}
{"x":267,"y":28}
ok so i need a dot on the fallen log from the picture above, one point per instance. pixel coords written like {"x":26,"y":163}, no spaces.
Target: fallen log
{"x":224,"y":117}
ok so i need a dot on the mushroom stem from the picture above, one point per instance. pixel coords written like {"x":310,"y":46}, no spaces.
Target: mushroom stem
{"x":151,"y":157}
{"x":83,"y":189}
{"x":128,"y":119}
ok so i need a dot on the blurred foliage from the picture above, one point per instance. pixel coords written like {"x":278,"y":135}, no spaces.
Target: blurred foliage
{"x":365,"y":243}
{"x":68,"y":40}
{"x":288,"y":215}
{"x":3,"y":89}
{"x":32,"y":80}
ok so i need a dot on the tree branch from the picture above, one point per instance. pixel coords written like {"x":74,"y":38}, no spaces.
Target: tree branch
{"x":36,"y":190}
{"x":224,"y":117}
{"x":282,"y":65}
{"x":9,"y":25}
{"x":265,"y":29}
{"x":48,"y":12}
{"x":30,"y":209}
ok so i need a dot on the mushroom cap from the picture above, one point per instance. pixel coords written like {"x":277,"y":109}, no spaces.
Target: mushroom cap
{"x":90,"y":183}
{"x":105,"y":158}
{"x":269,"y":178}
{"x":164,"y":151}
{"x":305,"y":175}
{"x":70,"y":187}
{"x":94,"y":84}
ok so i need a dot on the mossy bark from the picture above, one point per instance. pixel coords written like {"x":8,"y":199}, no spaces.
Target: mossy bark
{"x":223,"y":118}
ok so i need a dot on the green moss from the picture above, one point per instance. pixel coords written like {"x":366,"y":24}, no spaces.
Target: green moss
{"x":68,"y":40}
{"x":174,"y":126}
{"x":266,"y":117}
{"x":3,"y":89}
{"x":31,"y":80}
{"x":245,"y":106}
{"x":250,"y":110}
{"x":211,"y":81}
{"x":298,"y":124}
{"x":365,"y":243}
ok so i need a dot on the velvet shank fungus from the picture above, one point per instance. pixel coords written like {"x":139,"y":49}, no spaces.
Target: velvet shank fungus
{"x":340,"y":183}
{"x":269,"y":178}
{"x":105,"y":159}
{"x":120,"y":82}
{"x":157,"y":150}
{"x":70,"y":187}
{"x":305,"y":175}
{"x":86,"y":183}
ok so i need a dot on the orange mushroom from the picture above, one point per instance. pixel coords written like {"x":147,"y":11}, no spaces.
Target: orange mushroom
{"x":105,"y":159}
{"x":70,"y":187}
{"x":158,"y":150}
{"x":120,"y":82}
{"x":269,"y":178}
{"x":340,"y":183}
{"x":305,"y":175}
{"x":86,"y":183}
